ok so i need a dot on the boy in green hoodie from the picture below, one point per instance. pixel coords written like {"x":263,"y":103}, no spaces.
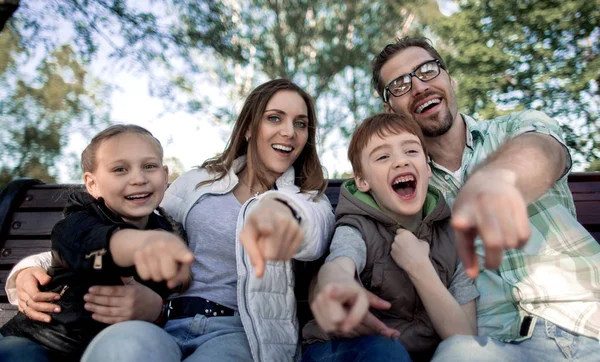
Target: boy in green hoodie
{"x":393,"y":260}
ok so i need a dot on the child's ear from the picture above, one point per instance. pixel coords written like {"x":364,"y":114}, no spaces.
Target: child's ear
{"x":429,"y":174}
{"x":166,"y":170}
{"x":90,"y":184}
{"x":362,"y":184}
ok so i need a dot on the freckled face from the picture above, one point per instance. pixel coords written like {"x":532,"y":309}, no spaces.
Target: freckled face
{"x":283,"y":131}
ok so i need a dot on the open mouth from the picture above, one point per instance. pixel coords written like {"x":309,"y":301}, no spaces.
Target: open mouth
{"x":405,"y":186}
{"x":138,"y":196}
{"x":283,"y":148}
{"x":430,"y":104}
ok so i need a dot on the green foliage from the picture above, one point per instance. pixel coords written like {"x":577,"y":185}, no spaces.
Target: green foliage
{"x":324,"y":46}
{"x":42,"y":107}
{"x":540,"y":54}
{"x":594,"y":166}
{"x":505,"y":56}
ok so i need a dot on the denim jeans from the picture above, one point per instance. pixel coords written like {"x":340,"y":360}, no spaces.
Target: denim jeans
{"x":21,"y":349}
{"x":547,"y":344}
{"x":188,"y":339}
{"x":364,"y":348}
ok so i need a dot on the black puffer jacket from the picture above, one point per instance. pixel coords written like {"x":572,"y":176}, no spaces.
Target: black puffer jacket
{"x":84,"y":233}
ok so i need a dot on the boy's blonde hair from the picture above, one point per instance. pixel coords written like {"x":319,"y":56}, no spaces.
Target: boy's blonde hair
{"x":382,"y":125}
{"x":88,"y":156}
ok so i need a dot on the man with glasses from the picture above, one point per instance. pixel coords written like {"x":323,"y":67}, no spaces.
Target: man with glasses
{"x":507,"y":181}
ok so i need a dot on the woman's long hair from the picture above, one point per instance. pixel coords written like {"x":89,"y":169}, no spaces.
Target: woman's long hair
{"x":307,"y":167}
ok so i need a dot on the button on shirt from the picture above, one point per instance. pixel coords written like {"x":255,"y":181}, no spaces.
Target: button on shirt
{"x":556,"y":276}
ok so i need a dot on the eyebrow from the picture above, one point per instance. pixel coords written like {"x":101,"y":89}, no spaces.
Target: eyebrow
{"x":145,"y":159}
{"x":387,"y":145}
{"x":414,"y":69}
{"x":279,"y":111}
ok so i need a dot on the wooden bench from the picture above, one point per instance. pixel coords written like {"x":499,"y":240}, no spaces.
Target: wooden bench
{"x":29,"y":209}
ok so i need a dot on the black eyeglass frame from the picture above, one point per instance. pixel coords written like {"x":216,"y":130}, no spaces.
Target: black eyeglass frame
{"x":412,"y":74}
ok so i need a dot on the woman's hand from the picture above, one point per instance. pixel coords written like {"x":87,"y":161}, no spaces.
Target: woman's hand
{"x":33,"y":303}
{"x":132,"y":301}
{"x":270,"y":233}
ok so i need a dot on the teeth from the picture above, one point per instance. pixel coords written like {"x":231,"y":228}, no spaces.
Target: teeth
{"x":426,"y":104}
{"x":283,"y":148}
{"x":139,"y":196}
{"x":405,"y":178}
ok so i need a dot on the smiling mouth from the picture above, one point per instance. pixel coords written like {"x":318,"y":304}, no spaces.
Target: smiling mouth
{"x":405,"y":185}
{"x":282,"y":148}
{"x":138,"y":196}
{"x":428,"y":105}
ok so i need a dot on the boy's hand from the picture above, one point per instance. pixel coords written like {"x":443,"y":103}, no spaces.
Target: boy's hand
{"x":270,"y":233}
{"x":164,"y":256}
{"x":343,"y":308}
{"x":408,"y":251}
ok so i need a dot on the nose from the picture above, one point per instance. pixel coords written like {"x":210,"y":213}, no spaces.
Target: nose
{"x":138,"y":177}
{"x":418,"y":86}
{"x":287,"y":128}
{"x":400,"y":161}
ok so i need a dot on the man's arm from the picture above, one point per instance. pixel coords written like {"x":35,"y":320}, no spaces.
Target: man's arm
{"x":533,"y":162}
{"x":493,"y":202}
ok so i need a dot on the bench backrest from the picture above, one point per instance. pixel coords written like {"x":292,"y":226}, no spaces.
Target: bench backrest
{"x":29,"y":210}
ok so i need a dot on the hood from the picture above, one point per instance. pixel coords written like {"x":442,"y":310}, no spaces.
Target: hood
{"x":355,"y":202}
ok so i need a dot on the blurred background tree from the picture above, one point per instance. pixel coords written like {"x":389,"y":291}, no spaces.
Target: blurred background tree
{"x":39,"y":108}
{"x":511,"y":55}
{"x":505,"y":55}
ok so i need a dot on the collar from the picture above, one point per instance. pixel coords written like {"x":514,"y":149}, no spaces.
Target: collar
{"x":286,"y":179}
{"x":472,"y":128}
{"x":434,"y":207}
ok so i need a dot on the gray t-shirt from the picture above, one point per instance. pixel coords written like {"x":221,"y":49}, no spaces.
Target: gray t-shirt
{"x":211,"y":226}
{"x":347,"y":241}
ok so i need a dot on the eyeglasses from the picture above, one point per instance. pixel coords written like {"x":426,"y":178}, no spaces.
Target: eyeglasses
{"x":401,"y":85}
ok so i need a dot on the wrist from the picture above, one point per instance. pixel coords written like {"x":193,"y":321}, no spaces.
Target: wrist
{"x":164,"y":313}
{"x":332,"y":282}
{"x":295,"y":214}
{"x":420,"y":271}
{"x":489,"y":172}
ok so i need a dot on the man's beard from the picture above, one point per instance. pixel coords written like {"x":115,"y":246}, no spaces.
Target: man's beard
{"x":436,"y":128}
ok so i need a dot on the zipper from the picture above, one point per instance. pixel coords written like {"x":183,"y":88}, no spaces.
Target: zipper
{"x":97,"y":258}
{"x":247,"y":286}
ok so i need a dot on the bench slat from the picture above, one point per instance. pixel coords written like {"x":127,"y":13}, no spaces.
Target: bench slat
{"x":3,"y":277}
{"x":588,"y":214}
{"x":44,"y":197}
{"x":31,"y":224}
{"x":7,"y":311}
{"x":586,"y":196}
{"x":15,"y":250}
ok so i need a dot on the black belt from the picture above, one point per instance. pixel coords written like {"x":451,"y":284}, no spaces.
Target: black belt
{"x":525,"y":325}
{"x":185,"y":307}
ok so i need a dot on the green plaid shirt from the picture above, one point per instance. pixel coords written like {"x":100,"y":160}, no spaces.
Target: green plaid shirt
{"x":557,"y":275}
